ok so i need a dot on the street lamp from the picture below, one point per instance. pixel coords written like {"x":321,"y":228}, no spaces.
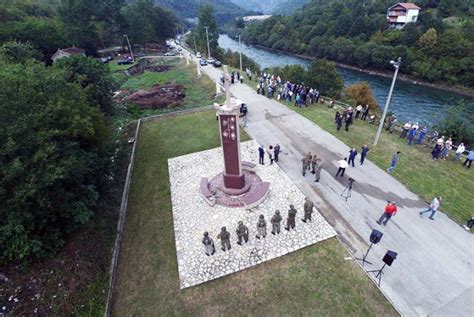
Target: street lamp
{"x":207,"y":38}
{"x":240,"y":54}
{"x":130,"y":48}
{"x":396,"y":64}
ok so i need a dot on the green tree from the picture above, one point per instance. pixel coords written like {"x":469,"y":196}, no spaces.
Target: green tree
{"x":206,"y":19}
{"x":148,"y":23}
{"x":428,"y":40}
{"x":323,"y":76}
{"x":91,"y":24}
{"x":93,"y":77}
{"x":50,"y":159}
{"x":16,"y":52}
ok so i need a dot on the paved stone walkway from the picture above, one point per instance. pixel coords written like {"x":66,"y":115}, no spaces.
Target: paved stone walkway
{"x":192,"y":216}
{"x":433,"y":274}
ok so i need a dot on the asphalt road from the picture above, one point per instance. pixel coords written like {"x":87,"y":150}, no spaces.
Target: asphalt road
{"x":433,"y":273}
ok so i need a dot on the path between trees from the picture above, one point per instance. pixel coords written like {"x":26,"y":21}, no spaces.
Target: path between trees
{"x":433,"y":273}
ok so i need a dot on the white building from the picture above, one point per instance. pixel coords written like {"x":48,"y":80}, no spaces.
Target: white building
{"x":66,"y":52}
{"x":402,"y":13}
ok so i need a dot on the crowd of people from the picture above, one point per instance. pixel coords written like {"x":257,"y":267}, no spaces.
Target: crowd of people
{"x":272,"y":85}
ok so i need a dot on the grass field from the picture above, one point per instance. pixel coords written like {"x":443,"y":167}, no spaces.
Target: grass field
{"x":416,"y":169}
{"x":312,"y":281}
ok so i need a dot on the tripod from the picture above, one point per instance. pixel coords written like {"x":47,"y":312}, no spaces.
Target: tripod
{"x":363,"y":260}
{"x":378,"y":276}
{"x":346,"y":193}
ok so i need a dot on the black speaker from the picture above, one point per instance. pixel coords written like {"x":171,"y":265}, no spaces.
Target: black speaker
{"x":375,"y":236}
{"x":389,"y":257}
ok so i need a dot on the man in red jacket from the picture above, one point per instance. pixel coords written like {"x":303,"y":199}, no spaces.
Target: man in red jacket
{"x":390,"y":211}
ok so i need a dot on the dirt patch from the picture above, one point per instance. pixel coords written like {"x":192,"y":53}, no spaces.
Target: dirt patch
{"x":158,"y":97}
{"x":158,"y":68}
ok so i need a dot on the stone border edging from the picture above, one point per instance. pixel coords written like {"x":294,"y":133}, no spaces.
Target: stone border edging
{"x":124,"y":202}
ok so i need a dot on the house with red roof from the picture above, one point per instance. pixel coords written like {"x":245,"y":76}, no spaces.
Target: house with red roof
{"x":402,"y":13}
{"x":66,"y":52}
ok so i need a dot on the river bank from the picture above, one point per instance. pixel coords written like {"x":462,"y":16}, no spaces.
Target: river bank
{"x":465,"y":91}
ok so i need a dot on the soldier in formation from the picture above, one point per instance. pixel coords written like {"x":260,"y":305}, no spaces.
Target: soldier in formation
{"x":276,"y":220}
{"x":209,"y":248}
{"x":308,"y":209}
{"x":224,"y":235}
{"x":242,"y":233}
{"x":290,"y":221}
{"x":261,"y":227}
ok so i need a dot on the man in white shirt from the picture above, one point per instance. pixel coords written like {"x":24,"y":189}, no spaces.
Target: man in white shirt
{"x":459,"y":151}
{"x":342,"y":167}
{"x":433,"y":207}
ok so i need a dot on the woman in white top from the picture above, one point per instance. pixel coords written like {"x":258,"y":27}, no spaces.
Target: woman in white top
{"x":460,"y":150}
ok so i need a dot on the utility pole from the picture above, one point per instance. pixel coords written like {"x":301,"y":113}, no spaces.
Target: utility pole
{"x":130,"y":48}
{"x":195,"y":47}
{"x":395,"y":64}
{"x":207,"y":37}
{"x":240,"y":53}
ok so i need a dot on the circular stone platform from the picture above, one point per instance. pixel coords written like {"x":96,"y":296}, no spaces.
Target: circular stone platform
{"x":225,"y":197}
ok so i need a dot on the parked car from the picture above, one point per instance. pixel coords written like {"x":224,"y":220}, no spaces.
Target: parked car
{"x":198,"y":55}
{"x":170,"y":54}
{"x":217,"y":63}
{"x":210,"y":60}
{"x":202,"y":62}
{"x":124,"y":62}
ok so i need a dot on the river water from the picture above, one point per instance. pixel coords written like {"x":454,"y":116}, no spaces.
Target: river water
{"x":410,"y":102}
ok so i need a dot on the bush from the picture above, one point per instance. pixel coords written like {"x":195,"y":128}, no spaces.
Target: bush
{"x":362,"y":94}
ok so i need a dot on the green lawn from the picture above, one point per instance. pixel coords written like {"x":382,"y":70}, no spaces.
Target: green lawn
{"x":313,"y":281}
{"x":416,"y":169}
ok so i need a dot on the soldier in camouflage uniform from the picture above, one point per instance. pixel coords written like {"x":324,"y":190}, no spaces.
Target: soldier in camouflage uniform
{"x":290,"y":221}
{"x":308,"y":209}
{"x":317,"y":170}
{"x":313,"y":163}
{"x":209,"y":248}
{"x":242,"y":233}
{"x":305,"y":162}
{"x":309,"y":157}
{"x":276,"y":219}
{"x":261,"y":227}
{"x":224,"y":235}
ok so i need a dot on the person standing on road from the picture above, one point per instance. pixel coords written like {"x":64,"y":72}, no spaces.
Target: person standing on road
{"x":342,"y":167}
{"x":352,"y":155}
{"x":363,"y":153}
{"x":390,"y":211}
{"x":433,"y":207}
{"x":276,"y":151}
{"x":317,"y":170}
{"x":395,"y":159}
{"x":261,"y":154}
{"x":313,"y":163}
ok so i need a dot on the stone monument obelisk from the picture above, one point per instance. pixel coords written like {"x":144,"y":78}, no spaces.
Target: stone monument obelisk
{"x":228,"y":115}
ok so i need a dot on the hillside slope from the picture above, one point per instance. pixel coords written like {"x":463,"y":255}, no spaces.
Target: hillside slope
{"x":224,"y":10}
{"x":439,"y":47}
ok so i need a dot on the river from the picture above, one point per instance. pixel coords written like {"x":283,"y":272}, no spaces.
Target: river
{"x":410,"y":102}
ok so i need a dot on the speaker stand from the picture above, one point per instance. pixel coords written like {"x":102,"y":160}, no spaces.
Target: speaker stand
{"x":363,"y":260}
{"x":378,"y":276}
